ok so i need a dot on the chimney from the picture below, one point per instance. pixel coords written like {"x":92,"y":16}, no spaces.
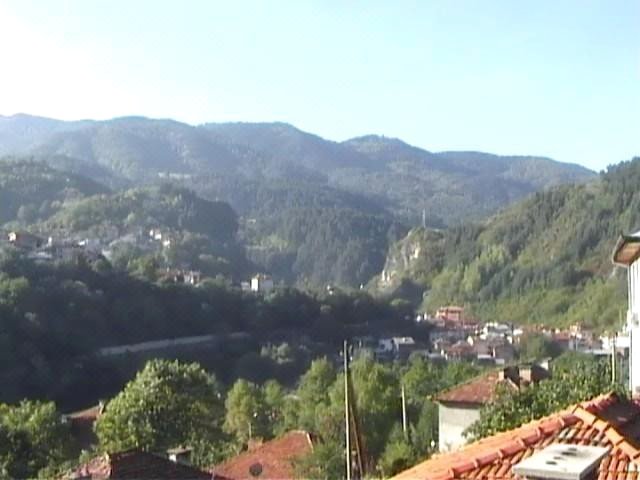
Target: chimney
{"x":545,"y":363}
{"x":254,"y":443}
{"x":560,"y":461}
{"x":509,"y":373}
{"x":526,"y":374}
{"x":180,"y":455}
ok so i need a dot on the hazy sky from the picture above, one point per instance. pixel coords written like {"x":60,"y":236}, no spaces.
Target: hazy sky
{"x":547,"y":77}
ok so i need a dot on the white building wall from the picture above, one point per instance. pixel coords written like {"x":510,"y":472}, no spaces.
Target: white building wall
{"x":452,"y":421}
{"x":633,"y":326}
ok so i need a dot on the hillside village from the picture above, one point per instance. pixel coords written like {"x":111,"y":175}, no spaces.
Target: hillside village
{"x":319,"y":240}
{"x":602,"y":429}
{"x":72,"y":249}
{"x":453,"y":337}
{"x":429,"y":374}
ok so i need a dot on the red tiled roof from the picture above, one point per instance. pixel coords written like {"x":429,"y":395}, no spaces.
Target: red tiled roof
{"x":607,"y":421}
{"x":90,"y":414}
{"x":483,"y":389}
{"x":478,"y":390}
{"x":135,"y":464}
{"x":81,"y":423}
{"x":273,"y":459}
{"x":452,"y":308}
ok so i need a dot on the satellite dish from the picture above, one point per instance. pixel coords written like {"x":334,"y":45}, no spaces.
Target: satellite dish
{"x":255,"y":470}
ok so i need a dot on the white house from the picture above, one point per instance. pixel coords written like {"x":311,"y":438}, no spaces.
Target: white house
{"x":459,"y":407}
{"x":262,"y":283}
{"x":627,"y":254}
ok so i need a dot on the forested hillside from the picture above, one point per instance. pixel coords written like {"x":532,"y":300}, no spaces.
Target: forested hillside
{"x":53,"y":316}
{"x":312,"y":211}
{"x":450,"y":186}
{"x":544,"y":260}
{"x":32,"y":191}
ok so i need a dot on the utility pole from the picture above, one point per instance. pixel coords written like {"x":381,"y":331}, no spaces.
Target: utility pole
{"x":613,"y":358}
{"x":347,"y":417}
{"x":404,"y":412}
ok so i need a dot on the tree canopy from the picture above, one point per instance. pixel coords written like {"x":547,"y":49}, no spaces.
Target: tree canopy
{"x":169,"y":404}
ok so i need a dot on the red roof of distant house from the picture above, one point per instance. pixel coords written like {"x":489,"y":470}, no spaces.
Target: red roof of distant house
{"x":90,"y":414}
{"x":271,"y":460}
{"x":460,"y":347}
{"x":607,"y":421}
{"x":481,"y":390}
{"x":135,"y":464}
{"x":452,"y":308}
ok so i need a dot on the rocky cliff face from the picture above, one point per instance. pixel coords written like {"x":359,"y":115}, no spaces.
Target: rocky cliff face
{"x":413,"y":257}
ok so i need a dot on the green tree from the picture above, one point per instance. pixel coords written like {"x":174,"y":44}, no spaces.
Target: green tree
{"x":245,"y":412}
{"x":421,"y":379}
{"x":325,"y":462}
{"x":274,"y":400}
{"x":32,"y":437}
{"x":577,"y":380}
{"x":377,"y":401}
{"x":398,"y":453}
{"x":168,"y":404}
{"x":313,"y":393}
{"x":424,"y":432}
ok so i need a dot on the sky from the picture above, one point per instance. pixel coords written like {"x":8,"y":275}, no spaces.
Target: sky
{"x":559,"y":78}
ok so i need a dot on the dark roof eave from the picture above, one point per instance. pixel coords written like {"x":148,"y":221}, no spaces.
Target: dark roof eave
{"x":623,"y":241}
{"x":463,"y":404}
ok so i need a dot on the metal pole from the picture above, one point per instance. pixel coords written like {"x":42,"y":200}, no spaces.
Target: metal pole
{"x":613,"y":359}
{"x":404,"y":411}
{"x":347,"y":426}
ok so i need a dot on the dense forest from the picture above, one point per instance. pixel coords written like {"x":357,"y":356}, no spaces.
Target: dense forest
{"x":32,"y":191}
{"x":545,"y":260}
{"x":42,"y":303}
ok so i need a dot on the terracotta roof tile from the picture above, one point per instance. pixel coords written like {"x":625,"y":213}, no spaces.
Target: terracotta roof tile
{"x":606,"y":421}
{"x":479,"y":390}
{"x":89,"y":414}
{"x":482,"y":389}
{"x":273,"y":459}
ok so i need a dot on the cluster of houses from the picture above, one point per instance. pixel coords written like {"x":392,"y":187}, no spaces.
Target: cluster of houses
{"x":68,"y":247}
{"x":91,"y":250}
{"x":595,"y":439}
{"x":453,"y":336}
{"x":38,"y":248}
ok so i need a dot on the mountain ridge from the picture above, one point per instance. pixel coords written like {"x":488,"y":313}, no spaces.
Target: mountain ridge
{"x":275,"y":175}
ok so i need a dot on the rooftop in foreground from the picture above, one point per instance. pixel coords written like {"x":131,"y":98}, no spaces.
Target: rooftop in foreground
{"x":138,"y":465}
{"x":271,"y":460}
{"x":606,"y":421}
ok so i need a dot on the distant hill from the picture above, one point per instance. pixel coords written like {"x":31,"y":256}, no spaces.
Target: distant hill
{"x":545,"y":260}
{"x":20,"y":133}
{"x":201,"y":234}
{"x":271,"y":172}
{"x":450,"y":186}
{"x":152,"y":207}
{"x":32,"y":191}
